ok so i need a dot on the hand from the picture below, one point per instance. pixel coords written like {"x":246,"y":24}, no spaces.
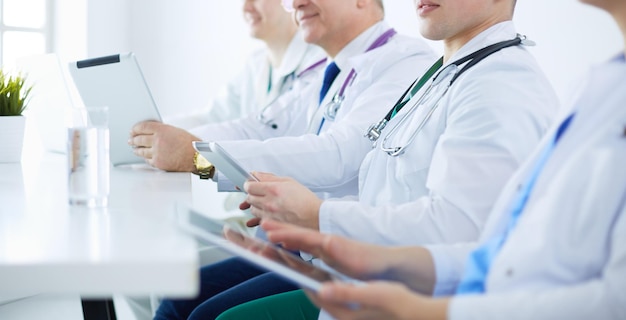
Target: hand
{"x":413,"y":265}
{"x":281,"y":199}
{"x":377,"y":300}
{"x":352,"y":258}
{"x":163,"y":146}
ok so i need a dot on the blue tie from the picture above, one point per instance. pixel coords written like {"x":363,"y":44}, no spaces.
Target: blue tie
{"x":329,"y":76}
{"x":480,"y":259}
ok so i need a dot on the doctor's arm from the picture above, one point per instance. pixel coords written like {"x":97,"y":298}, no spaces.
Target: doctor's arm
{"x":169,"y":148}
{"x":376,"y":299}
{"x":602,"y":296}
{"x":282,"y":199}
{"x":163,"y":146}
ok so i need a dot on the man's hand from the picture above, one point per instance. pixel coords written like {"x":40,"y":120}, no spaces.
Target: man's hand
{"x":163,"y":146}
{"x":377,"y":300}
{"x":352,"y":258}
{"x":281,"y":199}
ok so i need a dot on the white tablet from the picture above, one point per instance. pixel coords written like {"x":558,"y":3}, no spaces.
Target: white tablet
{"x":259,"y":252}
{"x":224,"y":162}
{"x":117,"y":82}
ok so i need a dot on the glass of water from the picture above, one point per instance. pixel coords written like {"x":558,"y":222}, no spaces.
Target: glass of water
{"x":88,"y":157}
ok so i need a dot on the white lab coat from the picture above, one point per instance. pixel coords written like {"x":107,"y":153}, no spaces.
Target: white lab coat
{"x":248,"y":91}
{"x":328,"y":162}
{"x":566,"y":258}
{"x":444,"y":185}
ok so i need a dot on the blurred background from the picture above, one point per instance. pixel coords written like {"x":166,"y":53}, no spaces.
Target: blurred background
{"x":189,"y":48}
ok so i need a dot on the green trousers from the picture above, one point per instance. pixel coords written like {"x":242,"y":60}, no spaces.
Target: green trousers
{"x":292,"y":305}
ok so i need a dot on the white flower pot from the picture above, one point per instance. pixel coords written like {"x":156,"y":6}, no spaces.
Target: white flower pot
{"x":11,"y":138}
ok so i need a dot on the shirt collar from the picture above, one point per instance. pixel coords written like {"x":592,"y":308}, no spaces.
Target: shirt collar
{"x":499,"y":32}
{"x":360,"y":44}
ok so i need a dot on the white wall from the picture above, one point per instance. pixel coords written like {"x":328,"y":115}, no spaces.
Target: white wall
{"x":188,"y":48}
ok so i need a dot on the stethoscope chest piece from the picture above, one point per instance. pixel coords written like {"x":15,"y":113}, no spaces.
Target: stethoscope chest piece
{"x":333,"y":107}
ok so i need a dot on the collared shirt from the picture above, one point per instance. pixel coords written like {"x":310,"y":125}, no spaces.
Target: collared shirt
{"x":356,"y":47}
{"x":565,"y":259}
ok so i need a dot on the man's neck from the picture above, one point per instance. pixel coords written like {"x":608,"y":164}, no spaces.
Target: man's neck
{"x":277,"y":48}
{"x":340,"y":41}
{"x":453,"y":44}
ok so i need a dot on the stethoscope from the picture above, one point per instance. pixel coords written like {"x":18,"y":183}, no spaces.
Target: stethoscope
{"x":263,"y":117}
{"x":451,"y":72}
{"x":332,"y":107}
{"x":335,"y":103}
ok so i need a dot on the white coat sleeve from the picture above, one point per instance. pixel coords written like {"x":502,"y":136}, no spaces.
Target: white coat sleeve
{"x":330,"y":161}
{"x":450,"y":261}
{"x":227,"y":104}
{"x":602,"y":296}
{"x":249,"y":127}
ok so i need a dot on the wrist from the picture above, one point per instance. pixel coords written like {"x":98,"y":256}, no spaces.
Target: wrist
{"x":202,"y":167}
{"x":315,"y":213}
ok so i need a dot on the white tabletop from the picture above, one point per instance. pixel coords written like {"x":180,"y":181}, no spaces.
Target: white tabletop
{"x":133,"y":247}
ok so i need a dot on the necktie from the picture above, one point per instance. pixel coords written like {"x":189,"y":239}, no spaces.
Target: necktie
{"x":329,"y":76}
{"x":480,"y":259}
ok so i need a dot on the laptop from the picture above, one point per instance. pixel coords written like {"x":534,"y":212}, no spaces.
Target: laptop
{"x":50,"y":98}
{"x":116,"y":81}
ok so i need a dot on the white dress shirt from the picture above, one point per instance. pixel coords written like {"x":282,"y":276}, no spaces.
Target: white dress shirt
{"x":566,"y":257}
{"x":444,"y":185}
{"x":328,"y":162}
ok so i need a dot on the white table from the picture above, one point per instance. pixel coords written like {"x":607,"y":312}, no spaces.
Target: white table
{"x":133,"y":247}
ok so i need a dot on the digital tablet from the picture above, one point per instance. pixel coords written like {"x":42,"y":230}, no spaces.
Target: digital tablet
{"x":117,"y":82}
{"x":224,"y":162}
{"x":259,"y":252}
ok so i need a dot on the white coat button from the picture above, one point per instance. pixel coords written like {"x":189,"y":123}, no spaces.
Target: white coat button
{"x":509,"y":272}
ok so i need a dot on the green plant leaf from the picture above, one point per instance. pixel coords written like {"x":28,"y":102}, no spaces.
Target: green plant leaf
{"x":14,"y":95}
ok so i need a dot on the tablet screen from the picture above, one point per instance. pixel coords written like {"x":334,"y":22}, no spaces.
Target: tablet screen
{"x":257,"y":251}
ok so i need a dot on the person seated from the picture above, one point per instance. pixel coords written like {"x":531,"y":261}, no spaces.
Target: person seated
{"x":268,"y":72}
{"x":553,"y":247}
{"x":366,"y":65}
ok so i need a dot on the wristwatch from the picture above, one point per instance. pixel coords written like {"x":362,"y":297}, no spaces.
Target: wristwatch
{"x":204,"y":169}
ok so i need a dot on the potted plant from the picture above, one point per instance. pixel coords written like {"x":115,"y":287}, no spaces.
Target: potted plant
{"x":13,"y":100}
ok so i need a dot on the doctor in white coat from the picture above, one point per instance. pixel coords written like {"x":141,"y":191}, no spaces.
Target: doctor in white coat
{"x":561,"y":254}
{"x":355,"y":37}
{"x":269,"y":71}
{"x":460,"y":143}
{"x":296,"y":135}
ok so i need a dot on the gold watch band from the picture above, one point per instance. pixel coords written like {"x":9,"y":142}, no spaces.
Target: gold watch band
{"x":204,"y":169}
